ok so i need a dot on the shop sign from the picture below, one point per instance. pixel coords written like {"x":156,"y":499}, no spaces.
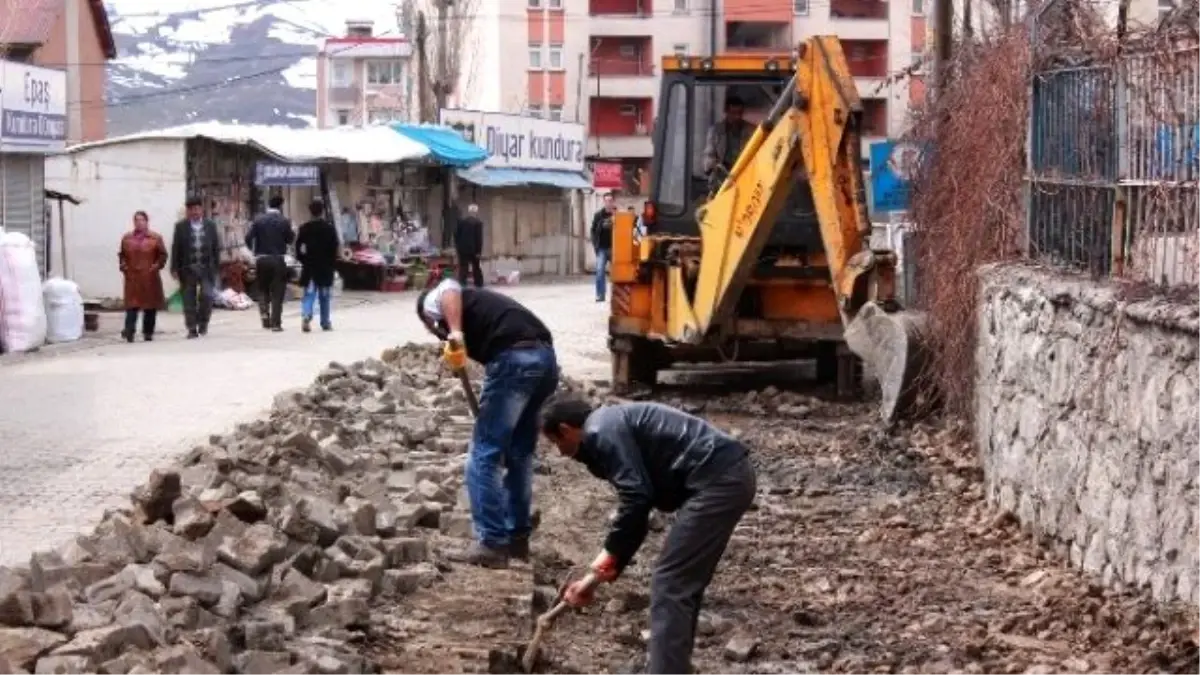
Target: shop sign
{"x":270,"y":174}
{"x":606,"y":176}
{"x":33,"y":108}
{"x":516,"y":142}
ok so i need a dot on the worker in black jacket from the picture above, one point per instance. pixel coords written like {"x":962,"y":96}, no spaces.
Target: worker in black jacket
{"x":269,"y":237}
{"x":521,"y":372}
{"x":658,"y":457}
{"x":468,"y":246}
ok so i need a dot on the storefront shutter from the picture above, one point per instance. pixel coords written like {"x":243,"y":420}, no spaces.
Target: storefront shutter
{"x":22,"y":199}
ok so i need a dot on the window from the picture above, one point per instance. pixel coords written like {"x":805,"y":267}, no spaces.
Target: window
{"x":627,"y":110}
{"x":535,"y":4}
{"x":555,"y":4}
{"x":681,"y":6}
{"x":343,"y":118}
{"x":918,"y":59}
{"x":674,"y":172}
{"x":533,"y":111}
{"x":918,"y":7}
{"x":385,"y":72}
{"x":535,"y":57}
{"x":800,"y":7}
{"x":627,"y":51}
{"x":556,"y":113}
{"x":341,"y":74}
{"x":680,"y":49}
{"x":556,"y":57}
{"x":383,"y":116}
{"x":1164,"y":8}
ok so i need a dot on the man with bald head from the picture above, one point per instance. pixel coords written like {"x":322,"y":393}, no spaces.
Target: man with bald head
{"x":468,"y":245}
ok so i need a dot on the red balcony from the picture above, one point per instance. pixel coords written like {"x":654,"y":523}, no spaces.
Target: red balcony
{"x":750,"y":36}
{"x":621,"y":8}
{"x":620,"y":116}
{"x":875,"y":117}
{"x":621,"y":56}
{"x":867,"y":58}
{"x":858,"y":9}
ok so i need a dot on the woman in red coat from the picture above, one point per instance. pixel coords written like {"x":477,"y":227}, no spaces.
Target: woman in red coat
{"x":143,"y":255}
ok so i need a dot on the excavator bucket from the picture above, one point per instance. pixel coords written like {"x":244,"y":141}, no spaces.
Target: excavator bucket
{"x":895,"y":346}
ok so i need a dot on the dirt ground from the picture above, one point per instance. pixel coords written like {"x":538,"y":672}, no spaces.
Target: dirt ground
{"x":865,"y":552}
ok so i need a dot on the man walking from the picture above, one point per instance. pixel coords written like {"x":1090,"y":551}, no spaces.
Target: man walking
{"x":602,"y":225}
{"x":317,"y":250}
{"x":658,"y":457}
{"x":521,"y":372}
{"x":195,"y":254}
{"x":468,"y":245}
{"x":269,"y":237}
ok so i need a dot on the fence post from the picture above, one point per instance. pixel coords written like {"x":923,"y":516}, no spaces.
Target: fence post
{"x":1120,"y":211}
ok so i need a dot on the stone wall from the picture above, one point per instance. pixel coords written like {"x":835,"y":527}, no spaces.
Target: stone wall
{"x":1088,"y":422}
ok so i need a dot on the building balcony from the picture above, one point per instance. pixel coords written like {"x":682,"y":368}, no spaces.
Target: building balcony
{"x":620,"y":25}
{"x":349,"y":94}
{"x":367,"y":48}
{"x":634,"y":146}
{"x":859,"y":29}
{"x":622,"y":80}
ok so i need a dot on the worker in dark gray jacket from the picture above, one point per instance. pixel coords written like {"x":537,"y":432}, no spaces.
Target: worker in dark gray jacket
{"x":269,"y":237}
{"x":658,"y":457}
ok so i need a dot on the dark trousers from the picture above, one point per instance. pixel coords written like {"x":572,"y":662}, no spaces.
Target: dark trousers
{"x":469,"y":262}
{"x":196,"y":289}
{"x":694,"y":546}
{"x":272,"y":273}
{"x":149,"y":319}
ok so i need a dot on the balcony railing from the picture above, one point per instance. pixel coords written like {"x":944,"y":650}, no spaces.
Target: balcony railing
{"x":619,"y":68}
{"x":858,"y":9}
{"x":344,"y":94}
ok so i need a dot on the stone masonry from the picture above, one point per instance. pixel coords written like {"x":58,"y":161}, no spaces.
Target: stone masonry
{"x":1088,"y":423}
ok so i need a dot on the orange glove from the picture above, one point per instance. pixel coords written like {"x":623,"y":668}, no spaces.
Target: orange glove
{"x":605,"y":567}
{"x":455,"y":356}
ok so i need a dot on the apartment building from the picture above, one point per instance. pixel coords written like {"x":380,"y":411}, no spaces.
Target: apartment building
{"x":69,"y":35}
{"x":364,"y":78}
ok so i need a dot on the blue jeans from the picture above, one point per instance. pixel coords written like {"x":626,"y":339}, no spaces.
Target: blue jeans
{"x":515,"y":385}
{"x":601,"y":274}
{"x":323,"y":294}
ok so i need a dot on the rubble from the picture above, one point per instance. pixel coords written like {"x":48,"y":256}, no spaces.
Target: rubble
{"x":264,"y":550}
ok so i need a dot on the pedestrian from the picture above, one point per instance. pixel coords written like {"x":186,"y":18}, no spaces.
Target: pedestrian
{"x":521,"y":371}
{"x":602,"y":224}
{"x":195,"y":255}
{"x":317,"y":249}
{"x":142,"y":256}
{"x":658,"y":457}
{"x":269,"y":237}
{"x":468,"y":245}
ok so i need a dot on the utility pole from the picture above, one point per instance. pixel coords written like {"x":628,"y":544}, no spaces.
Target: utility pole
{"x":943,"y":25}
{"x":422,"y":38}
{"x":441,"y":92}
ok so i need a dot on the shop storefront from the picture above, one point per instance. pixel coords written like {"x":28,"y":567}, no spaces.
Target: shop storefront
{"x":33,"y":123}
{"x":528,"y":190}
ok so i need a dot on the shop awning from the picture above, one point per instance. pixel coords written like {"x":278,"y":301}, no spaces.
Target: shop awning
{"x":446,"y":145}
{"x":504,"y":177}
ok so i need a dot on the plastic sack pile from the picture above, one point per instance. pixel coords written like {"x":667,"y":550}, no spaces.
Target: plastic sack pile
{"x":31,"y":313}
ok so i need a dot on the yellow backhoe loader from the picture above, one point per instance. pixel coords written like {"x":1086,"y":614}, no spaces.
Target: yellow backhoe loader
{"x":770,"y":260}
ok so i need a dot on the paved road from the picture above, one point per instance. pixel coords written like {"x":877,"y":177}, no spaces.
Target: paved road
{"x":81,"y":425}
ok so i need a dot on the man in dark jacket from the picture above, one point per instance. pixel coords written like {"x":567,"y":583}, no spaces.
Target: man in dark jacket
{"x":602,"y":226}
{"x":521,"y":371}
{"x":658,"y":457}
{"x":195,"y":256}
{"x":269,"y":237}
{"x":317,"y":250}
{"x":468,"y":245}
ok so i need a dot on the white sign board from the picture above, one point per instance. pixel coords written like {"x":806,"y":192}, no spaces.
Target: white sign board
{"x":33,"y":108}
{"x":517,"y":142}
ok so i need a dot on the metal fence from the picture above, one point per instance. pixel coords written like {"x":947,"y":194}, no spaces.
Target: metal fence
{"x":1114,"y":158}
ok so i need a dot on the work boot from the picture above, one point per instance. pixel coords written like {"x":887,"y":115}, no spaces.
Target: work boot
{"x":518,"y":547}
{"x":481,"y":555}
{"x":192,"y":334}
{"x":306,"y":324}
{"x":266,"y":323}
{"x":204,"y":329}
{"x":128,"y":335}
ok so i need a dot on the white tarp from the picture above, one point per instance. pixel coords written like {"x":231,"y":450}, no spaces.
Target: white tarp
{"x":354,"y":145}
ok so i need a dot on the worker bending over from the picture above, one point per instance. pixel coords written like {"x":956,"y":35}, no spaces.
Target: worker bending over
{"x":658,"y":457}
{"x":521,"y":371}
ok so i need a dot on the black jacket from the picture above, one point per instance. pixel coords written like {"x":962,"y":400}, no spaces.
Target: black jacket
{"x":181,"y":247}
{"x":270,"y":234}
{"x":468,"y":236}
{"x":602,"y":226}
{"x":317,"y":251}
{"x":656,"y":457}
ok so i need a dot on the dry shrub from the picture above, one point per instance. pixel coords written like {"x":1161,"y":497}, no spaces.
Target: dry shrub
{"x":967,"y":204}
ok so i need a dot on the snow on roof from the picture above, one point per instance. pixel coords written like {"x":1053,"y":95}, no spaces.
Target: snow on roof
{"x":365,"y":145}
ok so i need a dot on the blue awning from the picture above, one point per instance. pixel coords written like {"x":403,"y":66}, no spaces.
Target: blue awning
{"x":445,"y":145}
{"x":504,"y":177}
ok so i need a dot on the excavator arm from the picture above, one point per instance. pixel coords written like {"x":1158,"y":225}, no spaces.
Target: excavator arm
{"x":811,"y":133}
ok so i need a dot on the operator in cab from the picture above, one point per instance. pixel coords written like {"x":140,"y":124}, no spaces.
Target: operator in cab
{"x":657,"y":457}
{"x":521,"y":372}
{"x":726,"y":138}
